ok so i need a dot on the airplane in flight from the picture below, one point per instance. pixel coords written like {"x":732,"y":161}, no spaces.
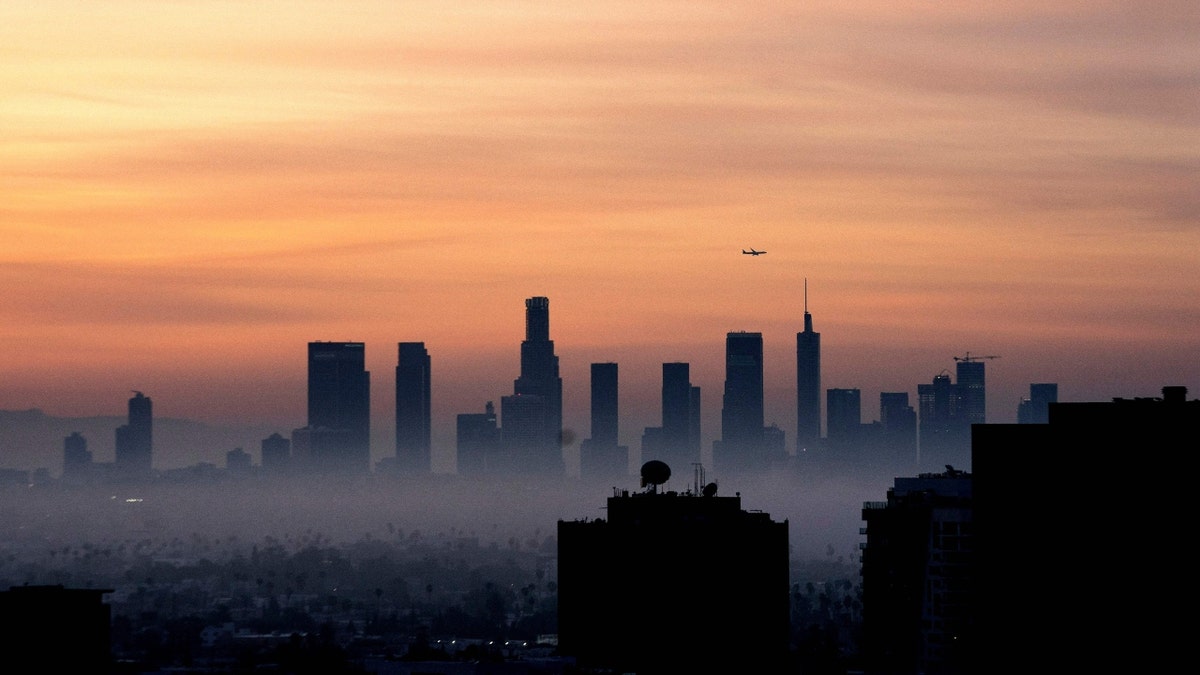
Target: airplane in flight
{"x":752,"y":252}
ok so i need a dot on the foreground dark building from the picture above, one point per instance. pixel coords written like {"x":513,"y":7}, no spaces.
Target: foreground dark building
{"x":1075,"y":526}
{"x":674,"y":582}
{"x":61,"y":630}
{"x":916,"y":576}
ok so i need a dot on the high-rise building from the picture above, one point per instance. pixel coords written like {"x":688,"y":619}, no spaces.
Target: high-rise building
{"x":601,"y":455}
{"x":943,"y":435}
{"x":972,"y":392}
{"x":808,"y":383}
{"x":413,"y":408}
{"x":77,"y":461}
{"x":531,"y":418}
{"x":477,"y":442}
{"x":898,"y":420}
{"x":916,"y":576}
{"x":135,"y":440}
{"x":1036,"y":408}
{"x":680,"y":444}
{"x":674,"y":582}
{"x":844,"y":409}
{"x":276,"y":454}
{"x":339,"y":401}
{"x":740,"y":447}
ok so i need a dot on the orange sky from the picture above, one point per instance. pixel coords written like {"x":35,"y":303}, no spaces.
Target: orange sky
{"x":190,"y":192}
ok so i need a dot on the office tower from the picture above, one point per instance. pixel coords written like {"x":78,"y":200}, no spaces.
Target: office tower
{"x":844,"y":410}
{"x":680,"y":448}
{"x":276,"y":454}
{"x":972,"y":392}
{"x":135,"y":440}
{"x":674,"y":582}
{"x":898,"y":420}
{"x":477,"y":442}
{"x":77,"y":461}
{"x":1101,"y":487}
{"x":339,"y":407}
{"x":413,"y":410}
{"x":531,"y":418}
{"x":943,"y":435}
{"x":740,"y":447}
{"x":916,"y":576}
{"x":601,"y":455}
{"x":1036,"y":408}
{"x":808,"y":383}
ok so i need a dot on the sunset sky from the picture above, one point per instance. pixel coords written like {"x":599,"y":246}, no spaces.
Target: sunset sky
{"x":190,"y":192}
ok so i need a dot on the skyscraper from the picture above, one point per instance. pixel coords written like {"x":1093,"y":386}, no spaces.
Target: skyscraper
{"x":601,"y":455}
{"x":477,"y":442}
{"x":339,"y":407}
{"x":135,"y":440}
{"x":808,"y":383}
{"x":531,"y":418}
{"x":1036,"y":408}
{"x":972,"y":392}
{"x":740,"y":447}
{"x":844,"y":407}
{"x":413,"y":410}
{"x":680,"y":447}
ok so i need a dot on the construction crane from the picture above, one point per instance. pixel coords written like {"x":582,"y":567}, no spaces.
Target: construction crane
{"x":968,"y":357}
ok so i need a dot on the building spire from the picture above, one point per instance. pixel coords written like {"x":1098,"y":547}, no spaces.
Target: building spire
{"x":807,"y":317}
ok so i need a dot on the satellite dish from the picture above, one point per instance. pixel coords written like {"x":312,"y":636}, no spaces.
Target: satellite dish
{"x":655,"y":472}
{"x":710,"y":489}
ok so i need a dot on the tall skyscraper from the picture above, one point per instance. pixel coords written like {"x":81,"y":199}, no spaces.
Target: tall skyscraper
{"x":339,"y":407}
{"x":531,"y":418}
{"x":972,"y":392}
{"x":844,"y":408}
{"x":1036,"y":408}
{"x":135,"y":440}
{"x":942,"y":436}
{"x":899,"y":422}
{"x":740,"y":447}
{"x":602,"y":455}
{"x":808,"y":383}
{"x":680,"y":447}
{"x":413,"y":410}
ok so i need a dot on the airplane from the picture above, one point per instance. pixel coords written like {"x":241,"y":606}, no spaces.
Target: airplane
{"x":752,"y":252}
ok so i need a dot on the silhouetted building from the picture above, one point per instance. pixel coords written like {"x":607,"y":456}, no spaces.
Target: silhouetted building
{"x":276,"y":454}
{"x":677,"y":441}
{"x":740,"y":448}
{"x":1036,"y":408}
{"x":135,"y":440}
{"x":844,"y":410}
{"x":413,"y":409}
{"x":1071,"y":518}
{"x":339,"y":400}
{"x":52,"y":629}
{"x":898,"y":437}
{"x":972,"y":390}
{"x":917,"y":569}
{"x":238,"y":462}
{"x":477,"y":441}
{"x":602,"y":455}
{"x":321,"y":450}
{"x":531,"y":418}
{"x":808,"y":383}
{"x":944,"y":435}
{"x":77,"y":460}
{"x":674,"y":582}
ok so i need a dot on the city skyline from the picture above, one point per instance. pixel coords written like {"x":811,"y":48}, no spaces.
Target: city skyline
{"x":192,"y":193}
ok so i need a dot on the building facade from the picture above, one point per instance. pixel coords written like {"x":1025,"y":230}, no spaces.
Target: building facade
{"x":339,"y":407}
{"x":413,"y":409}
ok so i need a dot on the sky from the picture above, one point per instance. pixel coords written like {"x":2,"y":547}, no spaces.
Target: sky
{"x":190,"y":192}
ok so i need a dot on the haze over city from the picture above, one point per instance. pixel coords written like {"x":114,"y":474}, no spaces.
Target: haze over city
{"x":191,"y":193}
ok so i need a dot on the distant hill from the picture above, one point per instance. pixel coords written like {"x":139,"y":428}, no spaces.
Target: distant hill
{"x":31,"y":439}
